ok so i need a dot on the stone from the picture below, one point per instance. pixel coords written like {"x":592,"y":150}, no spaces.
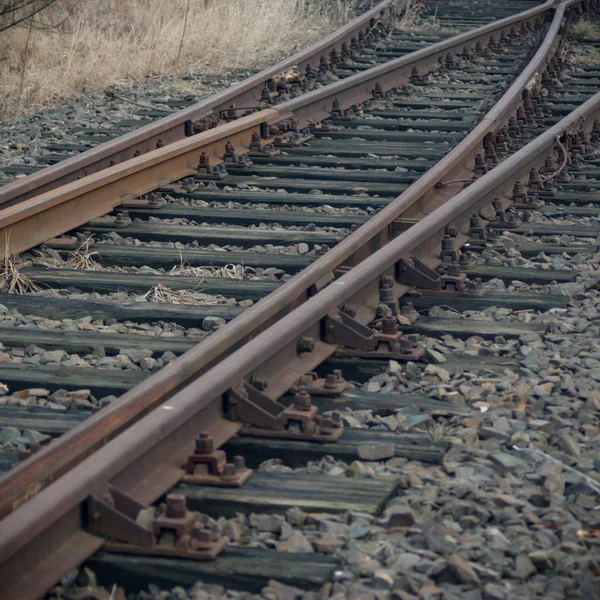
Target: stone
{"x":39,"y":392}
{"x":440,"y":542}
{"x":296,"y":543}
{"x":148,"y":364}
{"x":524,"y":568}
{"x":376,"y":451}
{"x":303,"y":248}
{"x":463,"y":571}
{"x":135,"y":354}
{"x":439,"y":372}
{"x":541,"y":559}
{"x":434,"y":356}
{"x":334,"y":529}
{"x":79,"y":394}
{"x":266,"y":522}
{"x":9,"y":434}
{"x":400,"y":516}
{"x":53,"y":356}
{"x":506,"y":500}
{"x":570,"y":445}
{"x":327,"y":545}
{"x":491,"y":433}
{"x":35,"y":436}
{"x":211,"y":323}
{"x":405,"y":562}
{"x":383,"y":579}
{"x":494,"y":591}
{"x":506,"y":461}
{"x":295,"y":517}
{"x":541,"y":425}
{"x":232,"y":530}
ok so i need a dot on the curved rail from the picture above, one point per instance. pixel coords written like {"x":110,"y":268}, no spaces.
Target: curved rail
{"x":144,"y":460}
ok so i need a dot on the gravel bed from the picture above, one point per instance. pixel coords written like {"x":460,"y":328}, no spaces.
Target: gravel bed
{"x":23,"y":141}
{"x":114,"y":239}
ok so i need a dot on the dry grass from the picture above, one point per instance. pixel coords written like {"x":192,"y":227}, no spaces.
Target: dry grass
{"x":231,"y":271}
{"x":81,"y":259}
{"x":12,"y":280}
{"x":585,"y":30}
{"x":98,"y":43}
{"x":164,"y":295}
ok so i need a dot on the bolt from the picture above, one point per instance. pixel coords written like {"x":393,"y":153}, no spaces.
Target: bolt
{"x":204,"y":443}
{"x":389,"y":325}
{"x":239,"y":463}
{"x":229,"y":472}
{"x":302,"y":400}
{"x":153,"y":200}
{"x":333,"y":379}
{"x":176,"y":506}
{"x":350,"y":310}
{"x":305,"y":344}
{"x":121,"y":218}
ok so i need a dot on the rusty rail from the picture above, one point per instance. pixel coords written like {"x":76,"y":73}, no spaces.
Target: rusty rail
{"x":144,"y":460}
{"x":173,"y":128}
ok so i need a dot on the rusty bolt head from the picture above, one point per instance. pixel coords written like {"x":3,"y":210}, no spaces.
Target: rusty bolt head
{"x":229,"y":472}
{"x":260,"y":383}
{"x":306,"y":344}
{"x":389,"y":325}
{"x":239,"y":463}
{"x":330,"y":381}
{"x":204,"y":443}
{"x":176,"y":506}
{"x":302,"y":400}
{"x":350,"y":310}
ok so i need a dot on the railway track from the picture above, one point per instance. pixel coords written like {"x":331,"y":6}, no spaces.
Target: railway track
{"x":438,"y":181}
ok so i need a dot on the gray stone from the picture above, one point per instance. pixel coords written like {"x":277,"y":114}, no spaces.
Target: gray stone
{"x":53,"y":356}
{"x":148,"y":364}
{"x":334,"y":529}
{"x":376,"y":451}
{"x":570,"y":445}
{"x":434,"y":356}
{"x":303,"y":248}
{"x":400,"y":516}
{"x":9,"y":434}
{"x":494,"y":591}
{"x":35,"y":436}
{"x":463,"y":571}
{"x":506,"y":461}
{"x":211,"y":323}
{"x":524,"y":568}
{"x":38,"y":392}
{"x":136,"y":354}
{"x":296,"y":543}
{"x":405,"y":562}
{"x":295,"y":517}
{"x":265,"y":522}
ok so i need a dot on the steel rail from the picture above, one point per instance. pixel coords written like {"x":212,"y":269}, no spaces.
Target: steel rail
{"x":50,"y":214}
{"x":173,"y":127}
{"x":144,"y":460}
{"x":31,"y":476}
